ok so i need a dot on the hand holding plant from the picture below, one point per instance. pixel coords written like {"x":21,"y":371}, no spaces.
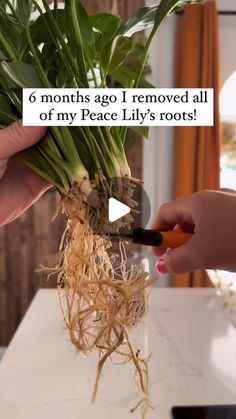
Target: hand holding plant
{"x":19,"y":186}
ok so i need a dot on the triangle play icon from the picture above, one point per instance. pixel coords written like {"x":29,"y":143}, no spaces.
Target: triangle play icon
{"x":116,"y":210}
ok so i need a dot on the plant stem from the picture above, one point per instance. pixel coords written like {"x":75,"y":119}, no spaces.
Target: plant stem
{"x":14,"y":12}
{"x":66,"y":50}
{"x":40,"y":69}
{"x":164,"y":9}
{"x":7,"y":47}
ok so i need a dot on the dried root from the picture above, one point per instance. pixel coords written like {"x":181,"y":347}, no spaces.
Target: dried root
{"x":101,"y":297}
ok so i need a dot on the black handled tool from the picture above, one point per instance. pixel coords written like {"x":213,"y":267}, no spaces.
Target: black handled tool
{"x":155,"y":238}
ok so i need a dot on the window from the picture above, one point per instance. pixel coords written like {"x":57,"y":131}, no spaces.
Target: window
{"x":228,"y":133}
{"x":228,"y":152}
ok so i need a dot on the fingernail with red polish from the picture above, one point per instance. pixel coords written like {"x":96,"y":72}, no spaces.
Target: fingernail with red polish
{"x":161,"y":267}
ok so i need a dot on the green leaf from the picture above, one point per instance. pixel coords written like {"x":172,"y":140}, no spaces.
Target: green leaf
{"x":81,"y":38}
{"x":150,"y":16}
{"x":125,"y":75}
{"x":81,"y":27}
{"x":4,"y":6}
{"x":116,"y":54}
{"x":39,"y":29}
{"x":183,"y":3}
{"x":23,"y":9}
{"x":106,"y":26}
{"x":143,"y":19}
{"x":6,"y":114}
{"x":58,"y":39}
{"x":12,"y":39}
{"x":22,"y":74}
{"x":166,"y":7}
{"x":3,"y":55}
{"x":65,"y":79}
{"x":35,"y":160}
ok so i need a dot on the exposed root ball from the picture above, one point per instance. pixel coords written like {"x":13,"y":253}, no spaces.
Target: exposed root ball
{"x":100,"y":296}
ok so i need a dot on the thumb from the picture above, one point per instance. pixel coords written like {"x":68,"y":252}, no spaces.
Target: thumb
{"x":185,"y":258}
{"x":16,"y":138}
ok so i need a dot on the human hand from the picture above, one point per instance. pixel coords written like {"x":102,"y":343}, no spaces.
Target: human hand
{"x":19,"y":186}
{"x":211,"y":215}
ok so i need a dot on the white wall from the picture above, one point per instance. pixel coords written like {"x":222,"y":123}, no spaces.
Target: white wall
{"x":227,"y":45}
{"x":226,"y":4}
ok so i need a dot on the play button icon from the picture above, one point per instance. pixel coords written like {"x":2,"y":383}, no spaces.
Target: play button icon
{"x":117,"y":210}
{"x":124,"y":207}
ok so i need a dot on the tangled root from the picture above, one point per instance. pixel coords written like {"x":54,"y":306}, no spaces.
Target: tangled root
{"x":99,"y":295}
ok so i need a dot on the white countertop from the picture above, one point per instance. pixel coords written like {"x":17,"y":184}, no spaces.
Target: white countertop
{"x":193,"y":362}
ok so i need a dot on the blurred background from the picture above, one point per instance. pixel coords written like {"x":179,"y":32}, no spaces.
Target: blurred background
{"x":193,"y":49}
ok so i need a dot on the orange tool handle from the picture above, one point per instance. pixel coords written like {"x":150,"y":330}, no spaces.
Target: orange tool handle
{"x":175,"y":238}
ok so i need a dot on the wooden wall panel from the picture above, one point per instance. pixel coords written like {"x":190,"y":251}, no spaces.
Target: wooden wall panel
{"x":25,"y":244}
{"x":33,"y":239}
{"x":125,"y":8}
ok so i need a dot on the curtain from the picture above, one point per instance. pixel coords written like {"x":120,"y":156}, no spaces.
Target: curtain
{"x":197,"y":148}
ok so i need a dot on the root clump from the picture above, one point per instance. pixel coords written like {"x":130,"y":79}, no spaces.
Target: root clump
{"x":100,"y":296}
